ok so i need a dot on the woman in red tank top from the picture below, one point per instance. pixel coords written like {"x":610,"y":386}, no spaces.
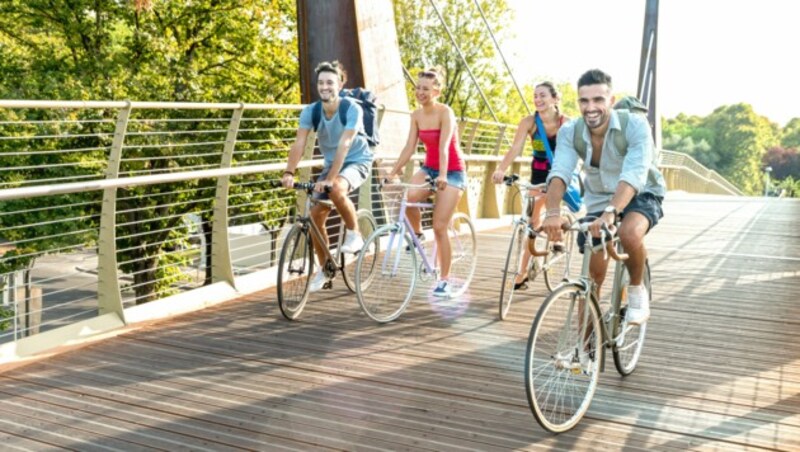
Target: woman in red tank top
{"x":434,"y":124}
{"x":545,"y":99}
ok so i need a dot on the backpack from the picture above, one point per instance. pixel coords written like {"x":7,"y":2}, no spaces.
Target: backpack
{"x":366,"y":100}
{"x":624,"y":107}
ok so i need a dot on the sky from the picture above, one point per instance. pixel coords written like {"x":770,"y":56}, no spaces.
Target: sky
{"x":710,"y":52}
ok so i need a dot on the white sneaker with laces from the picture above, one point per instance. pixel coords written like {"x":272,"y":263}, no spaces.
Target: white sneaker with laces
{"x":317,"y":282}
{"x":638,"y":305}
{"x":353,"y":242}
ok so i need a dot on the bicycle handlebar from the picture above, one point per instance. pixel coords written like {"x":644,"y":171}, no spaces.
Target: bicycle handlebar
{"x":308,"y":187}
{"x":514,"y":179}
{"x":430,"y":184}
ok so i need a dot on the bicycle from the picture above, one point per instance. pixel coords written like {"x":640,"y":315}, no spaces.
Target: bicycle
{"x":555,"y":259}
{"x":385,"y":282}
{"x":568,"y":338}
{"x":296,"y":263}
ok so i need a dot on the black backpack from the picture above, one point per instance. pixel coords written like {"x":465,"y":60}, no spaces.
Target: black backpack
{"x":366,"y":100}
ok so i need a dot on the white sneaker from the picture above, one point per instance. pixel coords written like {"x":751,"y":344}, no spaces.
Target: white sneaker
{"x":442,"y":289}
{"x":638,"y":305}
{"x":317,"y":282}
{"x":353,"y":242}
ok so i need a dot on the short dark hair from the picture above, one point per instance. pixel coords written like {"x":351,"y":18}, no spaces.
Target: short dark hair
{"x":594,"y":77}
{"x":334,"y":67}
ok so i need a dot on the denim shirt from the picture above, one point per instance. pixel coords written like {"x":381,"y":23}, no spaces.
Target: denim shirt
{"x":638,"y":167}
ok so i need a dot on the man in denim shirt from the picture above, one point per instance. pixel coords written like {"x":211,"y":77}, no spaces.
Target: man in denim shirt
{"x":622,"y":183}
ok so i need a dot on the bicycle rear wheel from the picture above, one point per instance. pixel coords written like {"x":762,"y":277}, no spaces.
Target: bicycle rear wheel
{"x":629,"y":339}
{"x":463,"y":246}
{"x":562,"y":359}
{"x":366,"y":226}
{"x":385,"y":280}
{"x":557,"y":263}
{"x":516,"y":248}
{"x":295,"y":268}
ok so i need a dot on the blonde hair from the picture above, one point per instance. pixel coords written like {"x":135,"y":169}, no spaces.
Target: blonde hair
{"x":435,"y":73}
{"x":334,"y":67}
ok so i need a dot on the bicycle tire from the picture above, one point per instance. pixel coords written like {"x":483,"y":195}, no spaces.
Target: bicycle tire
{"x":559,"y":387}
{"x":556,"y":267}
{"x":348,"y":263}
{"x":385,"y":280}
{"x":516,"y":248}
{"x":627,"y":351}
{"x":295,"y":268}
{"x":463,"y":247}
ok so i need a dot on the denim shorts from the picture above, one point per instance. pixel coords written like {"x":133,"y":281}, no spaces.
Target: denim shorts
{"x":456,"y":178}
{"x":354,"y":173}
{"x":646,"y":204}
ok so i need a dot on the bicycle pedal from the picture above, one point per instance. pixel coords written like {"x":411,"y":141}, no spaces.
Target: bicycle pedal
{"x":328,"y":285}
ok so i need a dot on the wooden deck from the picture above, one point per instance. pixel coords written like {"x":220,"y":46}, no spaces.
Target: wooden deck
{"x":720,"y":371}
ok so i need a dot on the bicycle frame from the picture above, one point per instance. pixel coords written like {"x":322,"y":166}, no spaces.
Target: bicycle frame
{"x":403,"y":225}
{"x":305,"y":221}
{"x":589,"y":289}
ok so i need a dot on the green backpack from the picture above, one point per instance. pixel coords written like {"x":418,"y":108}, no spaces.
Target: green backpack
{"x":625,"y":106}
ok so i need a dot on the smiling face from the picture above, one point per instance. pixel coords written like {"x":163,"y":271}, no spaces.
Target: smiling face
{"x":426,"y":91}
{"x":595,"y":102}
{"x":543,"y":99}
{"x":328,"y":86}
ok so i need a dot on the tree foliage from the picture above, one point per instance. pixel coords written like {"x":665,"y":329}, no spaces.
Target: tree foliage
{"x":198,"y":51}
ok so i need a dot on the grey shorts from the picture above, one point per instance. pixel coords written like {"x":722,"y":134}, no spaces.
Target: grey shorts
{"x":354,"y":173}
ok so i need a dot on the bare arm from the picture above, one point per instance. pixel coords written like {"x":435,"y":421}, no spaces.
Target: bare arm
{"x":446,"y":136}
{"x":524,"y":129}
{"x":295,"y":154}
{"x":408,"y":149}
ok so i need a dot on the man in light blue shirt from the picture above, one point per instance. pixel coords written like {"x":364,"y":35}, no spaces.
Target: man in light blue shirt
{"x":624,"y":183}
{"x":347,"y":156}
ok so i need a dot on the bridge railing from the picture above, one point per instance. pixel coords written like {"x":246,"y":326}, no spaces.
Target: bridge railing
{"x":121,"y":212}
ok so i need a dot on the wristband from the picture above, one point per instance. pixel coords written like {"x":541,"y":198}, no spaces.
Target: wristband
{"x":289,"y":173}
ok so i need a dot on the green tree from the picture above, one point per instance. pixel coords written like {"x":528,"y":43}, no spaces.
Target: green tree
{"x":791,"y":134}
{"x":204,"y":50}
{"x":741,"y":137}
{"x":424,"y":43}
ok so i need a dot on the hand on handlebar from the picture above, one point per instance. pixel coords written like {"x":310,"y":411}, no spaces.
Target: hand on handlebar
{"x":553,"y":227}
{"x":323,"y":186}
{"x":497,"y":176}
{"x":287,"y":181}
{"x":600,"y":224}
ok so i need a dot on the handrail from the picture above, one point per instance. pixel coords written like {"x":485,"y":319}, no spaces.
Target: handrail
{"x":146,"y":148}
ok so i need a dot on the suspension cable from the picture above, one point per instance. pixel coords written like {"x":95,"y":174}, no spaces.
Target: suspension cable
{"x":499,"y":50}
{"x":464,"y":60}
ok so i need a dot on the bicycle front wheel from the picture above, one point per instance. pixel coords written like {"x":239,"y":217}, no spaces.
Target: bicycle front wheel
{"x":562,"y":358}
{"x":463,"y":246}
{"x":385,"y":280}
{"x":366,"y":226}
{"x":511,"y":269}
{"x":628,"y":339}
{"x":295,"y":268}
{"x":558,"y":260}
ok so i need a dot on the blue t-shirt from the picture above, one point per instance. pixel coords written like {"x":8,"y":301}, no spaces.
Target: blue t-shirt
{"x":330,"y":131}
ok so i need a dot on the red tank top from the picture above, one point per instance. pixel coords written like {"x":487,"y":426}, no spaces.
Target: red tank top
{"x":430,"y":138}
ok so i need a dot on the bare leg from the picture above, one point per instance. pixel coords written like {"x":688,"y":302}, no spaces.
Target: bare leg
{"x":446,"y":202}
{"x":417,"y":195}
{"x":631,"y":234}
{"x":319,"y":215}
{"x":338,"y":195}
{"x":536,"y":222}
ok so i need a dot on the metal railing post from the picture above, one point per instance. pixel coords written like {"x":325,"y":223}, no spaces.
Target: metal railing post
{"x":109,"y":297}
{"x":221,"y":264}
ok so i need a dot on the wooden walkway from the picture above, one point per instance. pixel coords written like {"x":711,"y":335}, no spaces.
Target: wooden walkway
{"x":720,"y":371}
